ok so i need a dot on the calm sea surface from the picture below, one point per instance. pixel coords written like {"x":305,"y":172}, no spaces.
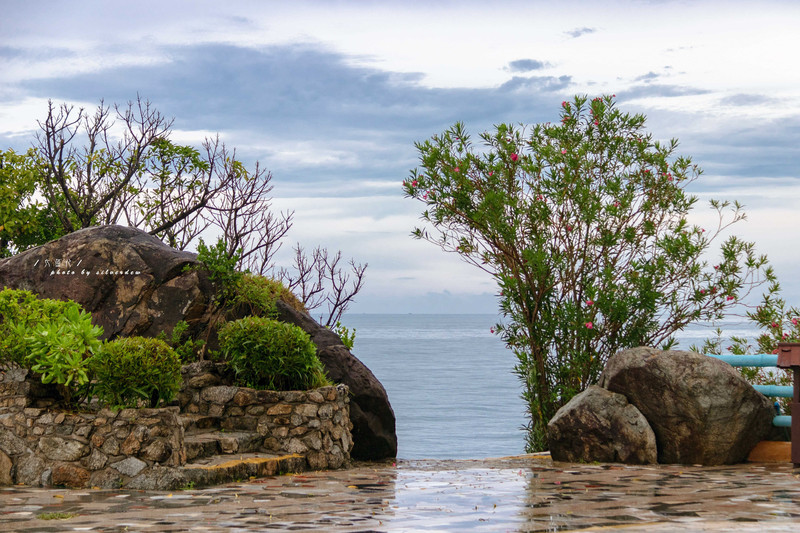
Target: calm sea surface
{"x":451,"y":383}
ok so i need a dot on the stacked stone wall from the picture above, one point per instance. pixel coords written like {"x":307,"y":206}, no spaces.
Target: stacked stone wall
{"x":146,"y":448}
{"x":314,"y":423}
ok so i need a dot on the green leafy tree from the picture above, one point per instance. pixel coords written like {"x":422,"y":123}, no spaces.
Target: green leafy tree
{"x":583,"y":224}
{"x":24,"y":221}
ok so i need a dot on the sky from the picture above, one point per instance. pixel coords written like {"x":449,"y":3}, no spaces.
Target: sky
{"x":331,"y":96}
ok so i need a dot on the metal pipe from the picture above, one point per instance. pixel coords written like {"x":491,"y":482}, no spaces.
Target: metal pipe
{"x":761,"y":359}
{"x":781,"y":391}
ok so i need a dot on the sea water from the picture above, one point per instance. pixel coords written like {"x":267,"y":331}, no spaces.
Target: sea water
{"x":451,"y":383}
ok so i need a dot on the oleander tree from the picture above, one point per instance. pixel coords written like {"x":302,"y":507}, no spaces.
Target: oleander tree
{"x":584,"y":226}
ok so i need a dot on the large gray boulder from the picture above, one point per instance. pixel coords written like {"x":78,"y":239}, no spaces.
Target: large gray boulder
{"x":133,"y":284}
{"x":599,"y":425}
{"x":701,"y":410}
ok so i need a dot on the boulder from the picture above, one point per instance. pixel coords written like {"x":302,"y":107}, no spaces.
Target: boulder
{"x":701,"y":410}
{"x":133,"y":284}
{"x":599,"y":425}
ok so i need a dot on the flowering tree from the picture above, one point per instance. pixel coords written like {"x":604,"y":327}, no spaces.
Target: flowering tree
{"x":583,"y":224}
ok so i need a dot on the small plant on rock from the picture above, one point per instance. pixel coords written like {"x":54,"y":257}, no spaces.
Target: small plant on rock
{"x":267,"y":354}
{"x":136,"y":370}
{"x":180,"y":340}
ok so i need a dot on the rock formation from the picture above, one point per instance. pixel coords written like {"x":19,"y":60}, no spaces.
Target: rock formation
{"x":133,"y":284}
{"x":599,"y":425}
{"x":701,"y":410}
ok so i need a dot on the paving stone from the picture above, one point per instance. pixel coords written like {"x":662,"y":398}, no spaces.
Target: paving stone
{"x":528,"y":493}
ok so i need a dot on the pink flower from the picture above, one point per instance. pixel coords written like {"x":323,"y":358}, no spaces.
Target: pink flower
{"x":457,"y":169}
{"x":589,"y":325}
{"x":729,"y":298}
{"x":569,"y":228}
{"x":774,"y":324}
{"x":785,"y":336}
{"x":491,"y":173}
{"x":563,"y":150}
{"x":616,"y":204}
{"x":794,"y":321}
{"x":491,"y":330}
{"x":414,"y":183}
{"x":703,"y":230}
{"x":702,"y":291}
{"x":716,"y":267}
{"x":589,"y":302}
{"x":596,"y":123}
{"x":514,"y":157}
{"x":564,"y":103}
{"x":425,"y":196}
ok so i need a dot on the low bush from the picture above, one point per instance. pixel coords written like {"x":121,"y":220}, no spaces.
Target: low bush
{"x":267,"y":354}
{"x":60,"y":350}
{"x":135,"y":370}
{"x":259,"y":294}
{"x":23,"y":308}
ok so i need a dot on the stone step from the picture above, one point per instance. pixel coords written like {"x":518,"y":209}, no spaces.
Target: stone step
{"x":199,"y":423}
{"x":219,"y":469}
{"x":218,"y":443}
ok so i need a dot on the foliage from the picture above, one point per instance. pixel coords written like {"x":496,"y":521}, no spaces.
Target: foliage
{"x":20,"y":312}
{"x":267,"y":354}
{"x":583,"y":224}
{"x":60,"y":350}
{"x":347,"y":335}
{"x":24,"y":222}
{"x":778,"y":323}
{"x":186,"y":347}
{"x":135,"y":370}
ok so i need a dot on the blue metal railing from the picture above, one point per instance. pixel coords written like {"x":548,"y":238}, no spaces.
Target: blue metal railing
{"x":763,"y":359}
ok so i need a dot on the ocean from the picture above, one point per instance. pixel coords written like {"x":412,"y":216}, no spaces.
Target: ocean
{"x":451,"y":382}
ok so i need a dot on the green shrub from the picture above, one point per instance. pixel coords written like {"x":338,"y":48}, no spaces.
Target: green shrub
{"x":23,"y":308}
{"x":259,"y":294}
{"x":267,"y":354}
{"x":136,"y":370}
{"x":61,"y":348}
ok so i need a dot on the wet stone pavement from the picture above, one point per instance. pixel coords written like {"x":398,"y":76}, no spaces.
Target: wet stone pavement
{"x":528,"y":493}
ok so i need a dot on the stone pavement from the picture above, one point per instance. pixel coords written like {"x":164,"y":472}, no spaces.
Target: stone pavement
{"x":526,"y":493}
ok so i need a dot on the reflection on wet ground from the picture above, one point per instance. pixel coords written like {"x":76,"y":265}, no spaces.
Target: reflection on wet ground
{"x":511,"y":494}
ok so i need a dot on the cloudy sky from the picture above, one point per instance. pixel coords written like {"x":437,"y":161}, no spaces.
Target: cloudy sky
{"x":330,"y":96}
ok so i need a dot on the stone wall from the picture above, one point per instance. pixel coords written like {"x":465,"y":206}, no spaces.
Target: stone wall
{"x":104,"y":449}
{"x":147,"y":448}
